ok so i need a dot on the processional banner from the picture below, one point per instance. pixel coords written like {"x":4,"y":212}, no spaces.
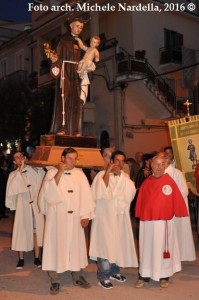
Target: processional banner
{"x":184,"y":134}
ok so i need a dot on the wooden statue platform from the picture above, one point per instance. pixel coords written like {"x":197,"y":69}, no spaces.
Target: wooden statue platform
{"x":51,"y":147}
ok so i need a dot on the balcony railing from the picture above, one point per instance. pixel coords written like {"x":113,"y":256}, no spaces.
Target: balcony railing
{"x":170,"y":55}
{"x":129,"y":65}
{"x":161,"y":84}
{"x":17,"y":76}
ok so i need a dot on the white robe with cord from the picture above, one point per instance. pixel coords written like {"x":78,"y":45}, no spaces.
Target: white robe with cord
{"x":22,"y":196}
{"x":111,"y":230}
{"x":65,"y":205}
{"x":152,"y":246}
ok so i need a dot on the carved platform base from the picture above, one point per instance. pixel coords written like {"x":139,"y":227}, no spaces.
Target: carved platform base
{"x":51,"y":147}
{"x":51,"y":156}
{"x":68,"y":141}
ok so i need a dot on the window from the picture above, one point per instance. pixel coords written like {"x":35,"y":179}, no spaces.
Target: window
{"x":19,"y":60}
{"x":104,"y":139}
{"x":172,"y":39}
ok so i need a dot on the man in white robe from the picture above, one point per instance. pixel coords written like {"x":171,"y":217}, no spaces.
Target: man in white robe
{"x":66,"y":200}
{"x":112,"y":242}
{"x":159,"y":200}
{"x":22,"y":196}
{"x":183,"y":225}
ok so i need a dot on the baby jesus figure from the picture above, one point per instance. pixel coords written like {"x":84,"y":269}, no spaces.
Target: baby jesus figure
{"x":92,"y":54}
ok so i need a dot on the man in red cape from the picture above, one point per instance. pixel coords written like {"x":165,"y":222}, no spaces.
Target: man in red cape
{"x":159,"y":200}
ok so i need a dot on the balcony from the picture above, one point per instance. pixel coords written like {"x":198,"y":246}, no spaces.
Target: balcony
{"x":170,"y":56}
{"x":131,"y":68}
{"x":15,"y":77}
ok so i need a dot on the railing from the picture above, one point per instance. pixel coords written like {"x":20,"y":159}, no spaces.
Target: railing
{"x":21,"y":76}
{"x":128,"y":64}
{"x":170,"y":55}
{"x":161,"y":85}
{"x":16,"y":76}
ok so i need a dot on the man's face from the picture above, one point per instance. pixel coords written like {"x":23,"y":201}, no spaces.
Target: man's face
{"x":76,"y":28}
{"x":119,"y":161}
{"x":158,"y":166}
{"x":70,"y":160}
{"x":138,"y":156}
{"x":166,"y":157}
{"x":169,"y":153}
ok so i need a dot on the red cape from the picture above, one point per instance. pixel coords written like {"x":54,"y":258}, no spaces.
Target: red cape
{"x":160,"y":199}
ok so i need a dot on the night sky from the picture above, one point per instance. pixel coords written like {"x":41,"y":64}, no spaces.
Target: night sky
{"x":15,"y":10}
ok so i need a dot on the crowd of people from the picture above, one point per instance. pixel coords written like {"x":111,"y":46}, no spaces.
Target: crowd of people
{"x":53,"y":206}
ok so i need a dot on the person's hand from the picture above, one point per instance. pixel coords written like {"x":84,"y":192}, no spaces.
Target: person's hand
{"x":53,"y":57}
{"x":81,"y":44}
{"x":113,"y":168}
{"x":62,"y":167}
{"x":116,"y":170}
{"x":147,"y":172}
{"x":84,"y":223}
{"x":109,"y":167}
{"x":51,"y":54}
{"x":23,"y":164}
